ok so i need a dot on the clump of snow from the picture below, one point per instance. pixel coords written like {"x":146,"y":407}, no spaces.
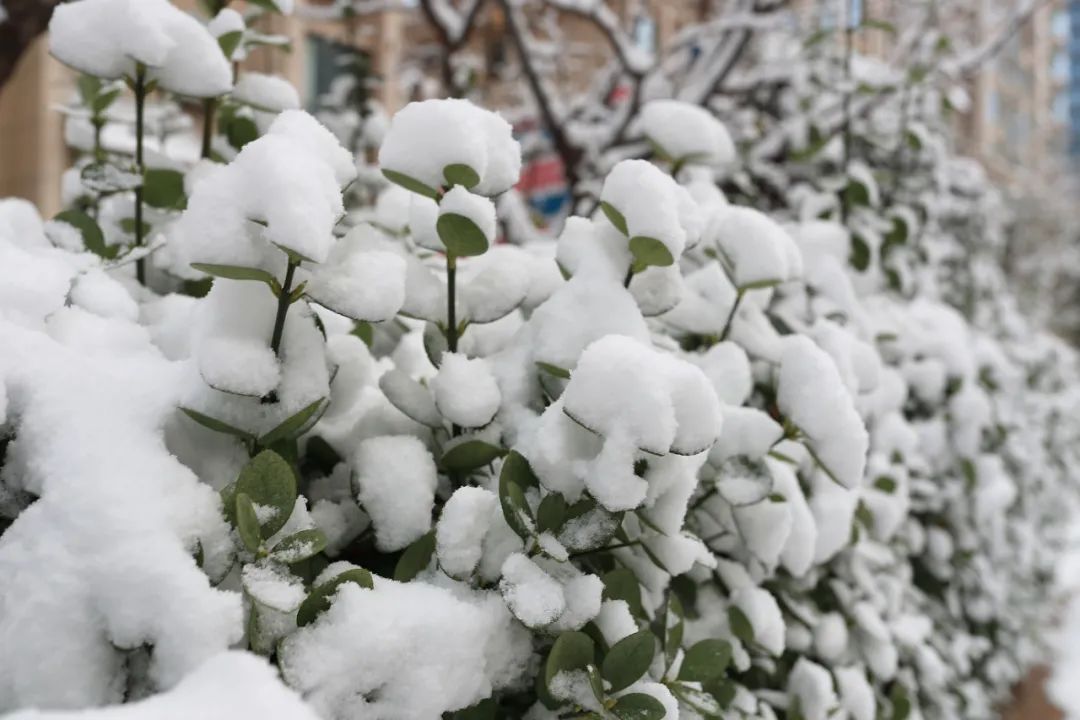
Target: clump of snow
{"x":226,"y":686}
{"x":283,"y":189}
{"x":396,"y":480}
{"x":406,"y":650}
{"x":268,"y":93}
{"x":426,"y":137}
{"x":109,"y":38}
{"x":812,"y":395}
{"x":649,"y":202}
{"x":687,"y":133}
{"x":463,"y":524}
{"x":465,"y":390}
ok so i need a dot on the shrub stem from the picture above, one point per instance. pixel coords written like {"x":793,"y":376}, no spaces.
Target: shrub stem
{"x":451,"y":316}
{"x":283,"y":307}
{"x":731,"y":315}
{"x":140,"y":102}
{"x":209,"y":107}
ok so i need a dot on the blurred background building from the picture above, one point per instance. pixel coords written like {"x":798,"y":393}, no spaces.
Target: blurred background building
{"x":1021,"y":115}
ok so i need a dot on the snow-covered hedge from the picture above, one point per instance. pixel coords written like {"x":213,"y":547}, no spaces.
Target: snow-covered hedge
{"x":692,"y":459}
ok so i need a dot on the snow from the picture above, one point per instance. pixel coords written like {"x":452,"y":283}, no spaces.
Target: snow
{"x":625,"y":391}
{"x":283,"y":189}
{"x":70,"y":601}
{"x":533,"y":596}
{"x":465,"y":390}
{"x":359,"y":283}
{"x":648,"y":201}
{"x":760,"y":608}
{"x":396,"y":479}
{"x":687,"y":133}
{"x":226,"y":686}
{"x":810,"y":688}
{"x":405,"y":650}
{"x":268,"y":93}
{"x":460,"y":532}
{"x":811,"y":394}
{"x":760,"y":250}
{"x":426,"y":137}
{"x":108,"y":38}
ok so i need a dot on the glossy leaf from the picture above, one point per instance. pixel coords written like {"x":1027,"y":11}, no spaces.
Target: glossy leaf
{"x":469,"y":455}
{"x":629,"y":659}
{"x":460,"y":235}
{"x":410,"y":184}
{"x":93,"y":238}
{"x":247,"y":523}
{"x":299,"y":546}
{"x":415,"y":559}
{"x":270,"y":482}
{"x":705,"y":661}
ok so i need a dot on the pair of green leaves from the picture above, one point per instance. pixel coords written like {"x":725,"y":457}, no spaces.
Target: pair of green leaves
{"x":626,"y":662}
{"x":96,"y":94}
{"x":646,"y":251}
{"x":459,"y":234}
{"x":268,"y":481}
{"x":289,"y":429}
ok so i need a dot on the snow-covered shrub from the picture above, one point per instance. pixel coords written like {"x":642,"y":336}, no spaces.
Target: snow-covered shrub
{"x":696,"y":458}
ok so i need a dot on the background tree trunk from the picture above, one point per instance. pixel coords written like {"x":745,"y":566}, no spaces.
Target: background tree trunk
{"x":24,"y":21}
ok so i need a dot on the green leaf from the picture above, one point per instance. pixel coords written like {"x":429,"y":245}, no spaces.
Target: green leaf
{"x":649,"y":251}
{"x":554,"y":370}
{"x":885,"y":484}
{"x":93,"y":238}
{"x":318,"y":601}
{"x":164,"y":189}
{"x":723,"y":690}
{"x":460,"y":174}
{"x":638,"y":706}
{"x":486,"y":709}
{"x":293,"y":426}
{"x":596,"y":684}
{"x":701,"y":701}
{"x":629,"y":659}
{"x":705,"y":661}
{"x":470,"y":455}
{"x":89,"y":87}
{"x":416,"y":558}
{"x":217,"y":425}
{"x":551,"y":513}
{"x":239,"y":272}
{"x":856,"y":193}
{"x":514,"y":477}
{"x":102,"y":102}
{"x":901,"y":704}
{"x":247,"y":522}
{"x":239,"y":131}
{"x":365,"y":331}
{"x":460,"y":235}
{"x":299,"y":546}
{"x":740,"y":625}
{"x":270,"y":482}
{"x":860,"y":253}
{"x":622,"y":584}
{"x":229,"y":42}
{"x":615,"y":217}
{"x":571,"y":651}
{"x":410,"y":184}
{"x":128,"y":226}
